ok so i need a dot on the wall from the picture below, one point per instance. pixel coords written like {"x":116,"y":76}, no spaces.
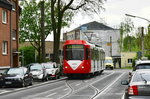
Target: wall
{"x":125,"y":56}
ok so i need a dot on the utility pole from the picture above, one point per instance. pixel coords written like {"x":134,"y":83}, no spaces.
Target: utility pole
{"x":42,"y":31}
{"x":110,"y":46}
{"x":142,"y":40}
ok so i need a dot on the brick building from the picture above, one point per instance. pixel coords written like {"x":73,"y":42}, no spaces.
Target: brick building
{"x":9,"y":17}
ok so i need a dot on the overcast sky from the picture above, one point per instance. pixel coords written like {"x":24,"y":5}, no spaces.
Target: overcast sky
{"x":115,"y":11}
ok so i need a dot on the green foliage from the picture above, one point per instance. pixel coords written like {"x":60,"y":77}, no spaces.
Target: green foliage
{"x":130,"y":44}
{"x":147,"y":45}
{"x":28,"y":55}
{"x":125,"y":28}
{"x":30,"y":18}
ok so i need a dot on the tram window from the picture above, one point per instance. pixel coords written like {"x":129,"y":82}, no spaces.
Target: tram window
{"x":87,"y":53}
{"x":74,"y":54}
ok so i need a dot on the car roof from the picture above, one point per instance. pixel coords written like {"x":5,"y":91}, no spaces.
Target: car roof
{"x":143,"y":62}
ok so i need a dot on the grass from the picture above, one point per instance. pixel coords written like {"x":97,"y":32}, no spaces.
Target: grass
{"x":127,"y":67}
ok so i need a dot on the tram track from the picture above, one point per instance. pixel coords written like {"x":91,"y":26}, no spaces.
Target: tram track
{"x":90,"y":83}
{"x":87,"y":83}
{"x":99,"y":92}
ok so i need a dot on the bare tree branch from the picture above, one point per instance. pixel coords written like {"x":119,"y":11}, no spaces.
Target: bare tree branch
{"x":78,"y":7}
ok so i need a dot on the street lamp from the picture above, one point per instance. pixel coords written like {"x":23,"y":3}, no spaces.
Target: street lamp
{"x":137,"y":17}
{"x":142,"y":29}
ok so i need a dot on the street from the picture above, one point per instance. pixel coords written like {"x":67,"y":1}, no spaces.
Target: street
{"x":104,"y":86}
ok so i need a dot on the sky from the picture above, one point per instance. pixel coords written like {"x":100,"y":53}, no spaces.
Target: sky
{"x":114,"y":13}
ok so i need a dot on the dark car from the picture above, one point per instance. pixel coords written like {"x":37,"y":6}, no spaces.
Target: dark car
{"x":138,"y":86}
{"x":16,"y":77}
{"x":38,"y":71}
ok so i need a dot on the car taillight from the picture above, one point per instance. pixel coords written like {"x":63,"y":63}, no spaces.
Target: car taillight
{"x":133,"y":90}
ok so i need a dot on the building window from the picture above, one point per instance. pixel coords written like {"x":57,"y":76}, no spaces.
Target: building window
{"x":14,"y":35}
{"x":13,"y":6}
{"x":4,"y":47}
{"x":129,"y":61}
{"x":4,"y":16}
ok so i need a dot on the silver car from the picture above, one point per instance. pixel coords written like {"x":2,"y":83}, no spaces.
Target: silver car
{"x":142,"y":65}
{"x":38,"y":72}
{"x":52,"y":70}
{"x":138,"y":86}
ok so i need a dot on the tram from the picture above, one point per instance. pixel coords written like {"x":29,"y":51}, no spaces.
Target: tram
{"x":81,"y":58}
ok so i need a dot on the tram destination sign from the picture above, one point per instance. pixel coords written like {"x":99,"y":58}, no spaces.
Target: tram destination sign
{"x":74,"y":46}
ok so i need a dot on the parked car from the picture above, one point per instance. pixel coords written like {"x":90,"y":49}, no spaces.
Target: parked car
{"x":3,"y":69}
{"x":142,"y":64}
{"x":139,"y":85}
{"x":52,"y":70}
{"x":16,"y":77}
{"x":38,"y":71}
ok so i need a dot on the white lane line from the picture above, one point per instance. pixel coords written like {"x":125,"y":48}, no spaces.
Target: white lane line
{"x":50,"y":95}
{"x":106,"y":88}
{"x":65,"y":89}
{"x":4,"y":92}
{"x":78,"y":84}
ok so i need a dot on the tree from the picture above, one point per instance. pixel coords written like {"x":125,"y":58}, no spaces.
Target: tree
{"x":58,"y":9}
{"x":125,"y":28}
{"x":30,"y":26}
{"x":30,"y":22}
{"x":133,"y":43}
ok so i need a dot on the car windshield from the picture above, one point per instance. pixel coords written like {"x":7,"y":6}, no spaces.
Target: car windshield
{"x":143,"y":66}
{"x":108,"y":61}
{"x":15,"y":71}
{"x":48,"y":66}
{"x":36,"y":67}
{"x":141,"y":77}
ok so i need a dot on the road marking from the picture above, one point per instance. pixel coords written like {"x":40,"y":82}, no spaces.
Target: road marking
{"x":78,"y":84}
{"x":50,"y":95}
{"x":4,"y":92}
{"x":106,"y":88}
{"x":65,"y":89}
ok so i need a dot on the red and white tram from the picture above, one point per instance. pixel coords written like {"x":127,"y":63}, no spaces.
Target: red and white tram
{"x":82,"y":58}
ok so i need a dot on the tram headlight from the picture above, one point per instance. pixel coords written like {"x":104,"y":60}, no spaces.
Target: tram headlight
{"x":82,"y":67}
{"x":66,"y":67}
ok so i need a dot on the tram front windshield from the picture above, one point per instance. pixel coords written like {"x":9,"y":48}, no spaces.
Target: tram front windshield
{"x":74,"y":52}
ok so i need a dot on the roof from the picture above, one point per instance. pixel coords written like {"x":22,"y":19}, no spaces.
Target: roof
{"x":143,"y":62}
{"x":94,"y":26}
{"x":5,"y":4}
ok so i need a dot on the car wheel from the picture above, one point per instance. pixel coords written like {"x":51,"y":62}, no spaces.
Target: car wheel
{"x":23,"y":84}
{"x":31,"y":83}
{"x":58,"y":77}
{"x":46,"y":78}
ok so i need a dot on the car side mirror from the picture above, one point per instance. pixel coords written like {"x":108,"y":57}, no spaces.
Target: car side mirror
{"x":125,"y":82}
{"x":1,"y":74}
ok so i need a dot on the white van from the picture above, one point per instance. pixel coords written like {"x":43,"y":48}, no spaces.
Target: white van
{"x":109,"y":63}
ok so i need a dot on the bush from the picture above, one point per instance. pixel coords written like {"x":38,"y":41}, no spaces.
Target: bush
{"x":28,"y":55}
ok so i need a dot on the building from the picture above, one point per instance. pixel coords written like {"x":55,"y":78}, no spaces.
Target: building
{"x":9,"y":17}
{"x":127,"y":58}
{"x":48,"y":47}
{"x":101,"y":35}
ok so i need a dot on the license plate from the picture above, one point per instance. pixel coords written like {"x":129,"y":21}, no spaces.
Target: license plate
{"x":7,"y":82}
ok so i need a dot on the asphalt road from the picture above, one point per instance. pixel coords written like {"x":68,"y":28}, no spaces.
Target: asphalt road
{"x":104,"y":86}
